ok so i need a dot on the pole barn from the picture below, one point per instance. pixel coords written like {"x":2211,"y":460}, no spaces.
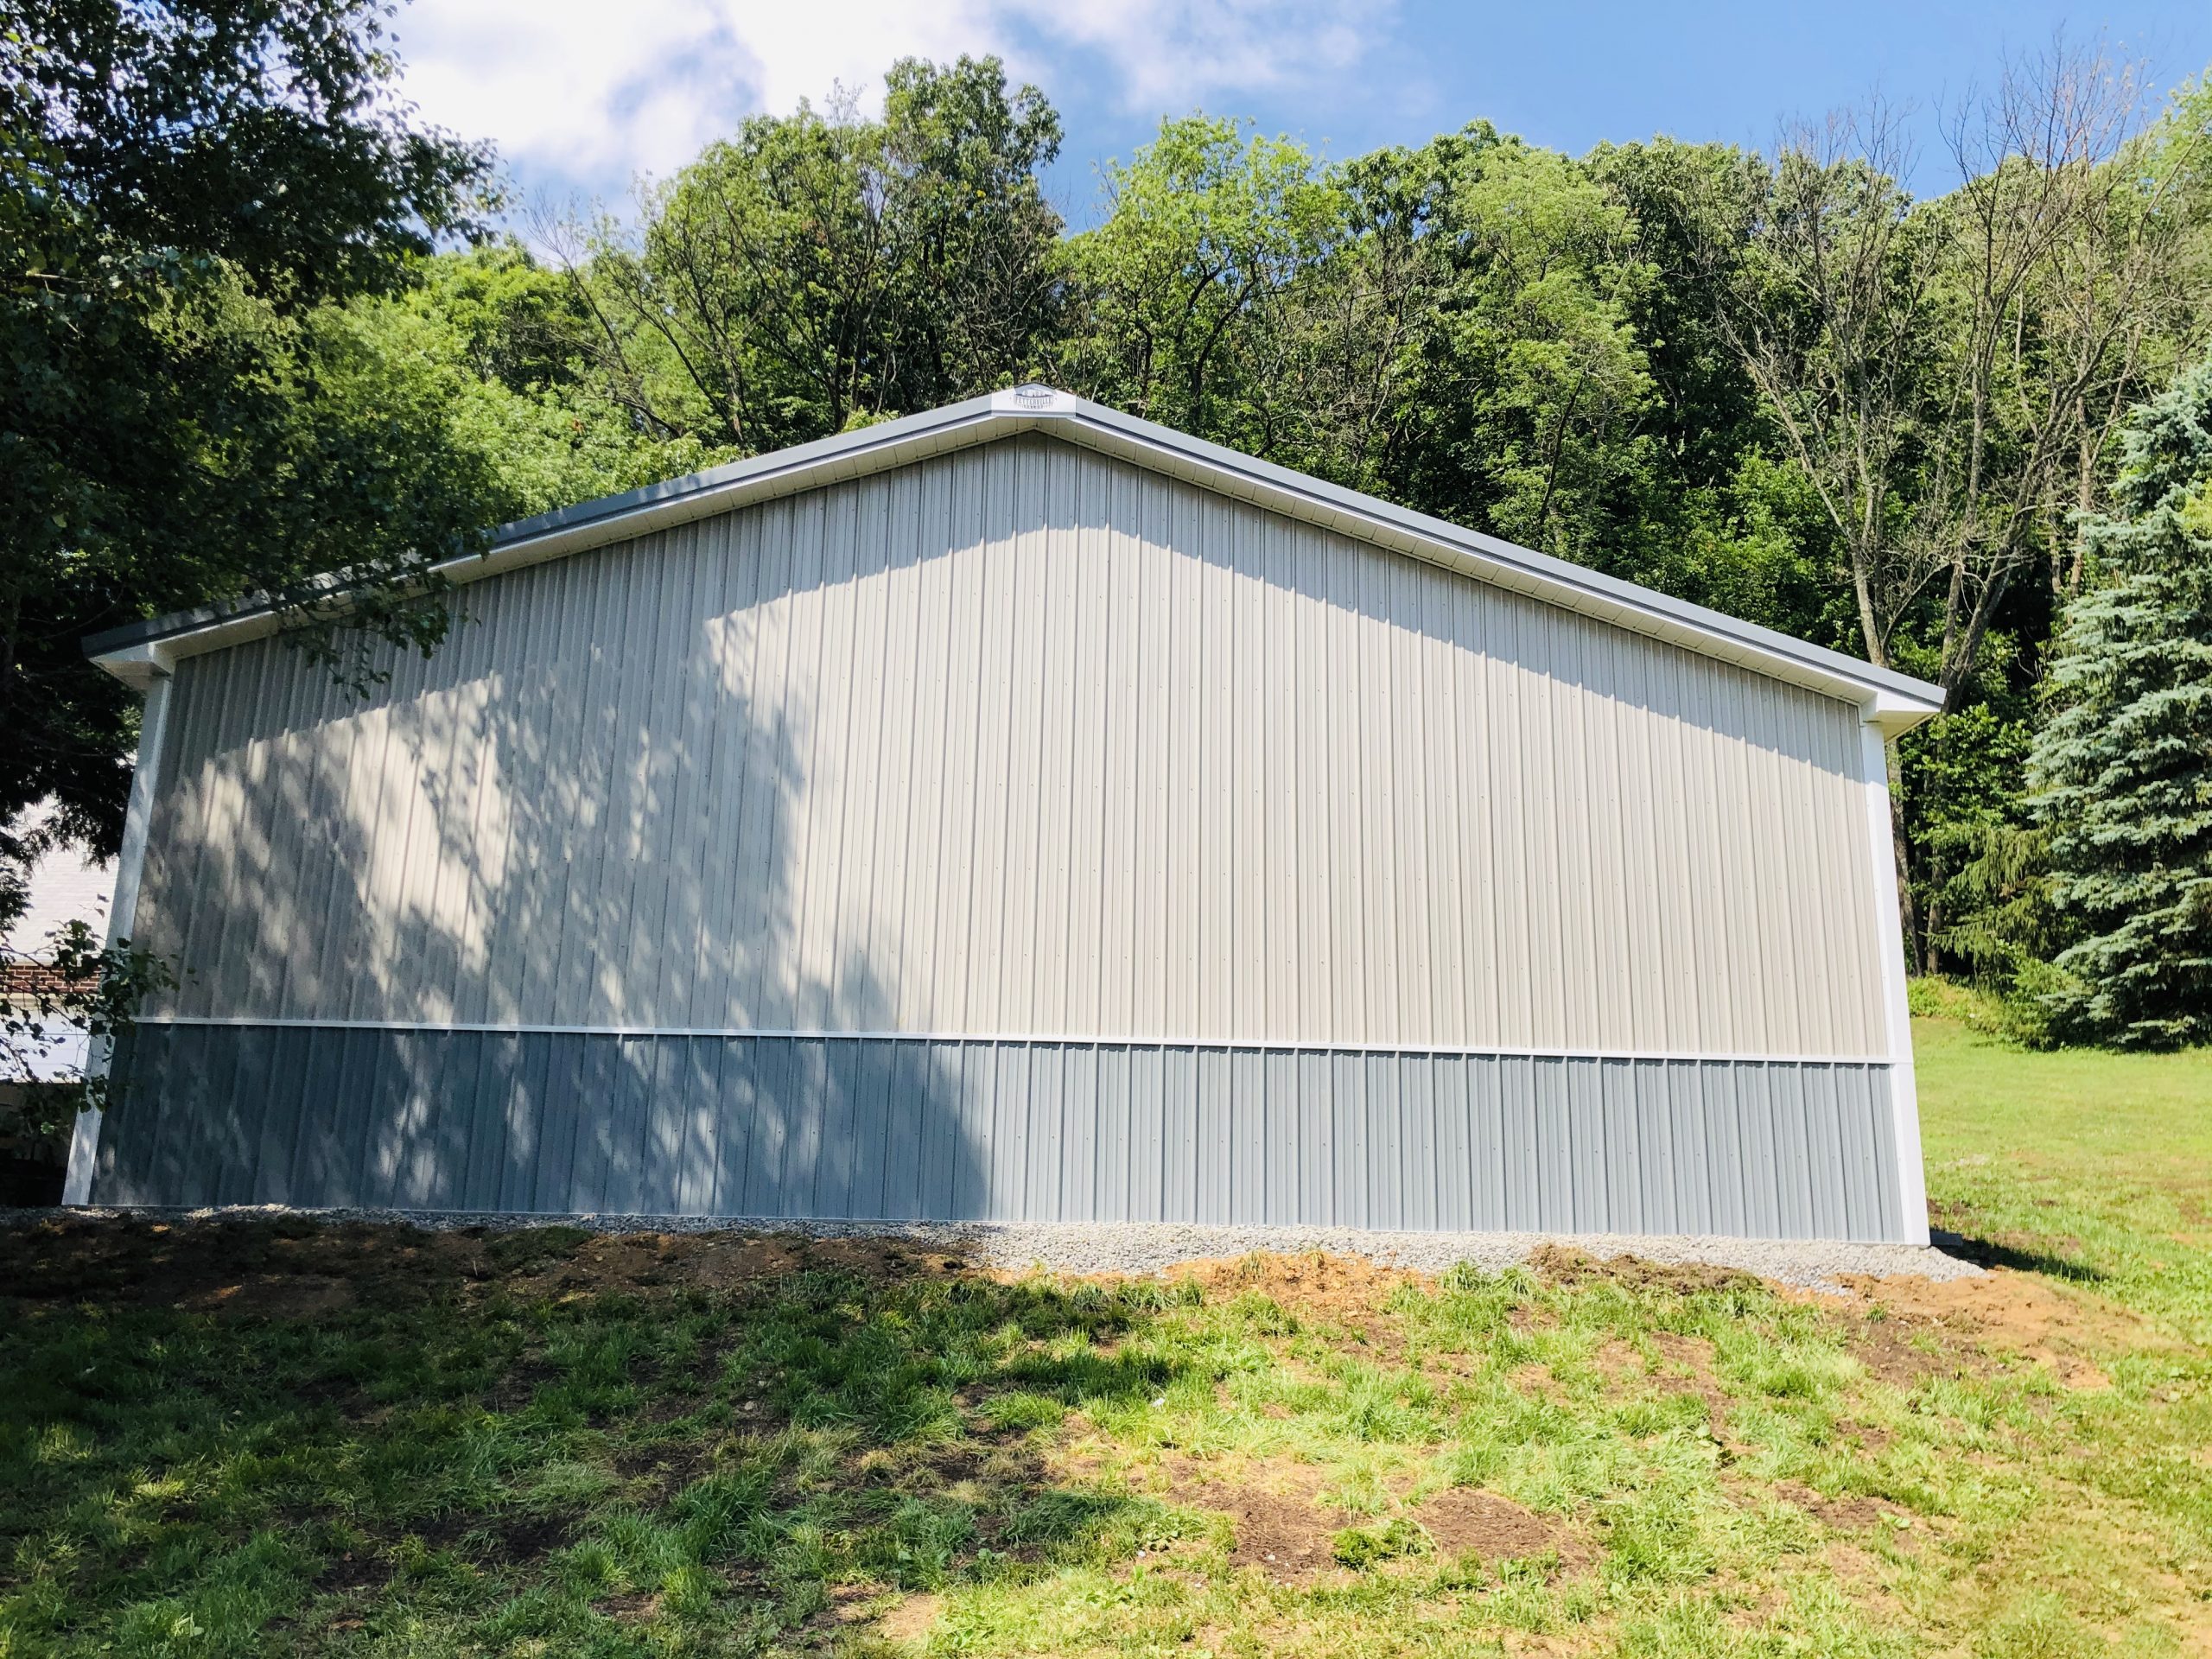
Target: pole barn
{"x":1020,"y":811}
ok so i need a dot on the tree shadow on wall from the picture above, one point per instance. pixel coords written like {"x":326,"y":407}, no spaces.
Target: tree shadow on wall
{"x":526,"y":892}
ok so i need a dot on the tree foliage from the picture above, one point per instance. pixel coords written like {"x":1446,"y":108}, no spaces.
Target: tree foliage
{"x":482,"y":349}
{"x":2122,"y":771}
{"x":820,"y":268}
{"x":1206,"y":231}
{"x":185,"y":190}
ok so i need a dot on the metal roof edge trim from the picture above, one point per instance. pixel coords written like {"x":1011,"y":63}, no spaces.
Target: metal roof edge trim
{"x":882,"y":445}
{"x":1895,"y":702}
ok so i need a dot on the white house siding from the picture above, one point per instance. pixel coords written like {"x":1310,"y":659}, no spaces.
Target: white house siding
{"x":65,"y":885}
{"x":1031,"y":752}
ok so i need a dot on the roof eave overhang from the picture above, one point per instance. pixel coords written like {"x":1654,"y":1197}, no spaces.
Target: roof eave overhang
{"x":1892,"y":702}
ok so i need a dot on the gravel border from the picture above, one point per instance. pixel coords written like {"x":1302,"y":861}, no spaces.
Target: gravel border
{"x":1153,"y":1247}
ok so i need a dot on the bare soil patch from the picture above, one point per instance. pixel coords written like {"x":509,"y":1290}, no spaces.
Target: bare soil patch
{"x":1465,"y":1522}
{"x":291,"y":1266}
{"x":630,"y":1607}
{"x":351,"y":1570}
{"x":1346,"y":1292}
{"x":1848,"y":1513}
{"x":1689,"y":1359}
{"x":277,"y":1267}
{"x":1283,"y":1528}
{"x":1919,"y":1328}
{"x":1345,"y":1295}
{"x":275,"y":1296}
{"x":1562,"y":1265}
{"x":2003,"y":1315}
{"x":495,"y":1540}
{"x":911,"y":1620}
{"x":1279,"y":1522}
{"x":1535,"y":1378}
{"x":726,"y":1262}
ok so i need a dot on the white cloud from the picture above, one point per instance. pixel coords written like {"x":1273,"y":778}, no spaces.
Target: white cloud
{"x":1173,"y":54}
{"x":581,"y":94}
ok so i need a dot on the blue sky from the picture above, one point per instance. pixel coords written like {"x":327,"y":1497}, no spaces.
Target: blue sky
{"x":582,"y":97}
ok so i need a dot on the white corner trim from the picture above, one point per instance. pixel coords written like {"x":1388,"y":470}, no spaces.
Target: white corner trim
{"x":1896,"y":1009}
{"x":122,"y":909}
{"x":85,"y":1143}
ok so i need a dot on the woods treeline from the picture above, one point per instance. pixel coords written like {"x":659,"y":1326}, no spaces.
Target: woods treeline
{"x":262,"y":327}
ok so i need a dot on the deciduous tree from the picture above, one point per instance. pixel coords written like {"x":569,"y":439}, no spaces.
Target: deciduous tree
{"x":183,"y":188}
{"x":820,"y":268}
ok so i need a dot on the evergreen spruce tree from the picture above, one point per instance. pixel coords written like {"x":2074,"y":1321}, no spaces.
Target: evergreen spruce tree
{"x":2122,"y":768}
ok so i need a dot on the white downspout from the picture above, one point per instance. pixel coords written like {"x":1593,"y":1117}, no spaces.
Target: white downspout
{"x":1897,"y":1012}
{"x":122,"y":914}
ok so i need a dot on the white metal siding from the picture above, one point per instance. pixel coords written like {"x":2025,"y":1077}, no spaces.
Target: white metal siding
{"x":1024,"y":741}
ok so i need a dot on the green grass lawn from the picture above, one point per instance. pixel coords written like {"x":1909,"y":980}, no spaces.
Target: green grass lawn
{"x":278,"y":1438}
{"x":2102,"y":1160}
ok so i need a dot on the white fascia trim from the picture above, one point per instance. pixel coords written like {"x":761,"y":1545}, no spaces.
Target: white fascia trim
{"x":988,"y":1039}
{"x":1501,"y":563}
{"x":619,"y":518}
{"x":1893,"y":715}
{"x":142,"y":667}
{"x":122,"y":909}
{"x":1896,"y":701}
{"x":1897,"y":1008}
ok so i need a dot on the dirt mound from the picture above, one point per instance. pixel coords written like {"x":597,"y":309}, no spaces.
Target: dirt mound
{"x":291,"y":1266}
{"x":1280,"y":1524}
{"x":733,"y":1261}
{"x":1464,"y":1522}
{"x":1341,"y":1289}
{"x":2003,"y":1315}
{"x":1561,"y":1264}
{"x":282,"y":1267}
{"x":299,"y":1267}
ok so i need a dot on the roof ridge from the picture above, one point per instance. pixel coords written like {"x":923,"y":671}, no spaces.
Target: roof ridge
{"x":1891,"y":700}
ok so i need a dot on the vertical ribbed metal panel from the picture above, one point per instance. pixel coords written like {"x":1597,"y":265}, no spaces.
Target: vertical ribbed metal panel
{"x":881,"y":1129}
{"x":1024,"y":740}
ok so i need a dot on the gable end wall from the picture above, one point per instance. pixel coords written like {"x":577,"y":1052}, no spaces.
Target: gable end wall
{"x":1020,"y":758}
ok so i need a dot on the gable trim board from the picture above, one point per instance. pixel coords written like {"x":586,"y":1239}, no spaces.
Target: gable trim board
{"x":1321,"y":759}
{"x":1894,"y":701}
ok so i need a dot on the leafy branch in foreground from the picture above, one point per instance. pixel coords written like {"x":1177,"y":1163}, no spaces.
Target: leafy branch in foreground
{"x":186,"y":191}
{"x":72,"y":1000}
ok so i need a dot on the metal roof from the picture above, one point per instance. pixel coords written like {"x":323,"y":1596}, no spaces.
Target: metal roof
{"x":1893,"y":701}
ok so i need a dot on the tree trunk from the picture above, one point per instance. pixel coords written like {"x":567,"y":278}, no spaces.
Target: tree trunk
{"x":1931,"y":949}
